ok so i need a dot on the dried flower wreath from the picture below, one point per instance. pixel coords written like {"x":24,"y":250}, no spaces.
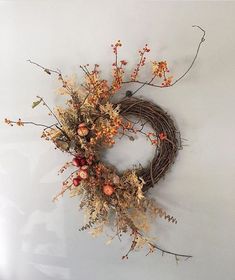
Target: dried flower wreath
{"x":89,"y":123}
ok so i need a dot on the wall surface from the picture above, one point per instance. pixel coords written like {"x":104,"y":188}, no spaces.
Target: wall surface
{"x":39,"y":239}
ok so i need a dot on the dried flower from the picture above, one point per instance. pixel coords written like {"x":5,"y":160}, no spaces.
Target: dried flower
{"x":83,"y":174}
{"x":108,"y":189}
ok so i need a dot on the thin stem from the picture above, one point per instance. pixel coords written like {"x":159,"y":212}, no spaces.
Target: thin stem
{"x":49,"y":126}
{"x":90,"y":91}
{"x":166,"y":251}
{"x":65,"y":134}
{"x":36,"y":124}
{"x":47,"y":70}
{"x":58,"y":72}
{"x":66,"y":187}
{"x":42,"y":125}
{"x":45,"y":104}
{"x":195,"y":57}
{"x":171,"y":253}
{"x":182,"y":76}
{"x":151,"y":172}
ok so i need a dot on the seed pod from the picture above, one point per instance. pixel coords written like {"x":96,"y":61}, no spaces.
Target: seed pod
{"x":82,"y":130}
{"x":76,"y":162}
{"x":76,"y":181}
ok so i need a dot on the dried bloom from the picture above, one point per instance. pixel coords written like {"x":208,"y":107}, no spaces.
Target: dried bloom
{"x":7,"y":121}
{"x":167,"y":82}
{"x":108,"y":189}
{"x":159,"y":68}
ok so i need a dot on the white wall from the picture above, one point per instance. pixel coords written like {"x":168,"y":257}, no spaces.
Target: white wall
{"x":39,"y":239}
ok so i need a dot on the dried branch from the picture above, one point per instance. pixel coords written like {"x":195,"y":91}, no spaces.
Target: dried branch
{"x":136,"y":234}
{"x":58,"y":72}
{"x":47,"y":70}
{"x":149,"y":83}
{"x":171,"y":253}
{"x":50,"y":110}
{"x":22,"y":123}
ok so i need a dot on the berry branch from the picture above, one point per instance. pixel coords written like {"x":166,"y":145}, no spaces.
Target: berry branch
{"x":149,"y":83}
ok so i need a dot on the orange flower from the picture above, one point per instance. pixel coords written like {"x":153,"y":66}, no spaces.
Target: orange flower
{"x":108,"y":189}
{"x":167,"y":81}
{"x":159,"y":68}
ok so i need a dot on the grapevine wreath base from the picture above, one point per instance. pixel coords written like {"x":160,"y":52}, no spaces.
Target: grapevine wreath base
{"x":161,"y":122}
{"x":89,"y":123}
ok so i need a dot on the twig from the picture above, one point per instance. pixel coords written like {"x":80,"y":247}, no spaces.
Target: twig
{"x":151,"y":172}
{"x":41,"y":125}
{"x":58,"y":72}
{"x":171,"y":253}
{"x":181,"y":77}
{"x":195,"y":57}
{"x":45,"y":104}
{"x":47,"y":70}
{"x":33,"y":123}
{"x":65,"y":188}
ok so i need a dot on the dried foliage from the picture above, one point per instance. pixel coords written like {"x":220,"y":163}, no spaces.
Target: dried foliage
{"x":89,"y":123}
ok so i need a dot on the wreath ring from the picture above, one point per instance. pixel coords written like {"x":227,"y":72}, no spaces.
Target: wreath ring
{"x":161,"y":122}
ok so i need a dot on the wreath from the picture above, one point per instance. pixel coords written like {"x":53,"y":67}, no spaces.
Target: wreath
{"x":89,"y":122}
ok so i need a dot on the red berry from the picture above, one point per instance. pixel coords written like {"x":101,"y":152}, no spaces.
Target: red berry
{"x":83,"y":161}
{"x":79,"y":156}
{"x":76,"y":181}
{"x":84,"y":167}
{"x":76,"y":162}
